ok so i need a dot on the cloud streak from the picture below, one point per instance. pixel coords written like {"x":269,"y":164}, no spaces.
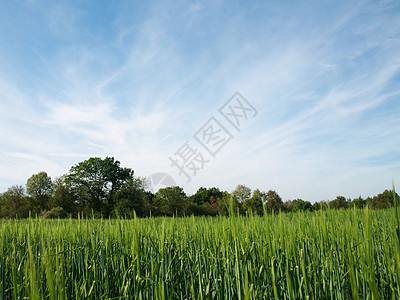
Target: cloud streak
{"x":136,"y":82}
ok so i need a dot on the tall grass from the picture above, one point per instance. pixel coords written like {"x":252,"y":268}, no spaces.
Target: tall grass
{"x":321,"y":255}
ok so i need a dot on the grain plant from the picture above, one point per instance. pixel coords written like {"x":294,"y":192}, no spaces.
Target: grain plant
{"x":341,"y":254}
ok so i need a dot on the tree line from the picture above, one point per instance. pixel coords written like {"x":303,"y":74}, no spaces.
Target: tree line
{"x":102,"y":188}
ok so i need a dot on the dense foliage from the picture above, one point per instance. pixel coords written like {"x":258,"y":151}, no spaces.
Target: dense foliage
{"x":102,"y":188}
{"x":328,"y":254}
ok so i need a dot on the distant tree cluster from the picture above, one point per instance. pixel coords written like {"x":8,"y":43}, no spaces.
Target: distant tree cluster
{"x":102,"y":188}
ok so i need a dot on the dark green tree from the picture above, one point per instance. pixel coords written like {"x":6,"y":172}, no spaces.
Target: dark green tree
{"x":288,"y":205}
{"x":301,"y":205}
{"x":192,"y":208}
{"x":95,"y":181}
{"x":203,"y":195}
{"x":320,"y":205}
{"x":204,"y":201}
{"x":382,"y":200}
{"x":241,"y":193}
{"x":200,"y":197}
{"x":358,"y":202}
{"x":131,"y":198}
{"x":170,"y":201}
{"x":63,"y":197}
{"x":254,"y":204}
{"x":227,"y":205}
{"x":40,"y":188}
{"x":14,"y":203}
{"x":273,"y":202}
{"x":338,"y":203}
{"x":148,"y":203}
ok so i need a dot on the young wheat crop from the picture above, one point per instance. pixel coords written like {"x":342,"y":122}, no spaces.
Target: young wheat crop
{"x":320,"y":255}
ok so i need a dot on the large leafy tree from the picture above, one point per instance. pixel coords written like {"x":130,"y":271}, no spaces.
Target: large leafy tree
{"x":204,"y":201}
{"x":273,"y":202}
{"x":255,"y":203}
{"x":131,"y":197}
{"x":359,"y":202}
{"x":241,"y":193}
{"x":382,"y":200}
{"x":95,"y":181}
{"x":288,"y":205}
{"x":228,"y":205}
{"x":206,"y":196}
{"x":39,"y":186}
{"x":14,"y":203}
{"x":63,"y":197}
{"x":301,"y":205}
{"x":339,"y":202}
{"x":170,"y":201}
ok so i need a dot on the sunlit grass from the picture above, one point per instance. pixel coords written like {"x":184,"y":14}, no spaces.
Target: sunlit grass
{"x":325,"y":254}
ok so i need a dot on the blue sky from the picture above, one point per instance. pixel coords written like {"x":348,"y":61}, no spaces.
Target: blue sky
{"x":137,"y":79}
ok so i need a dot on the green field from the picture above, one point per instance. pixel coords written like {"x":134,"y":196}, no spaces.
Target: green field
{"x":321,"y":255}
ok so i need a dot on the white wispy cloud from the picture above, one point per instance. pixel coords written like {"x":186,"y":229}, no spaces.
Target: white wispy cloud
{"x":325,"y":86}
